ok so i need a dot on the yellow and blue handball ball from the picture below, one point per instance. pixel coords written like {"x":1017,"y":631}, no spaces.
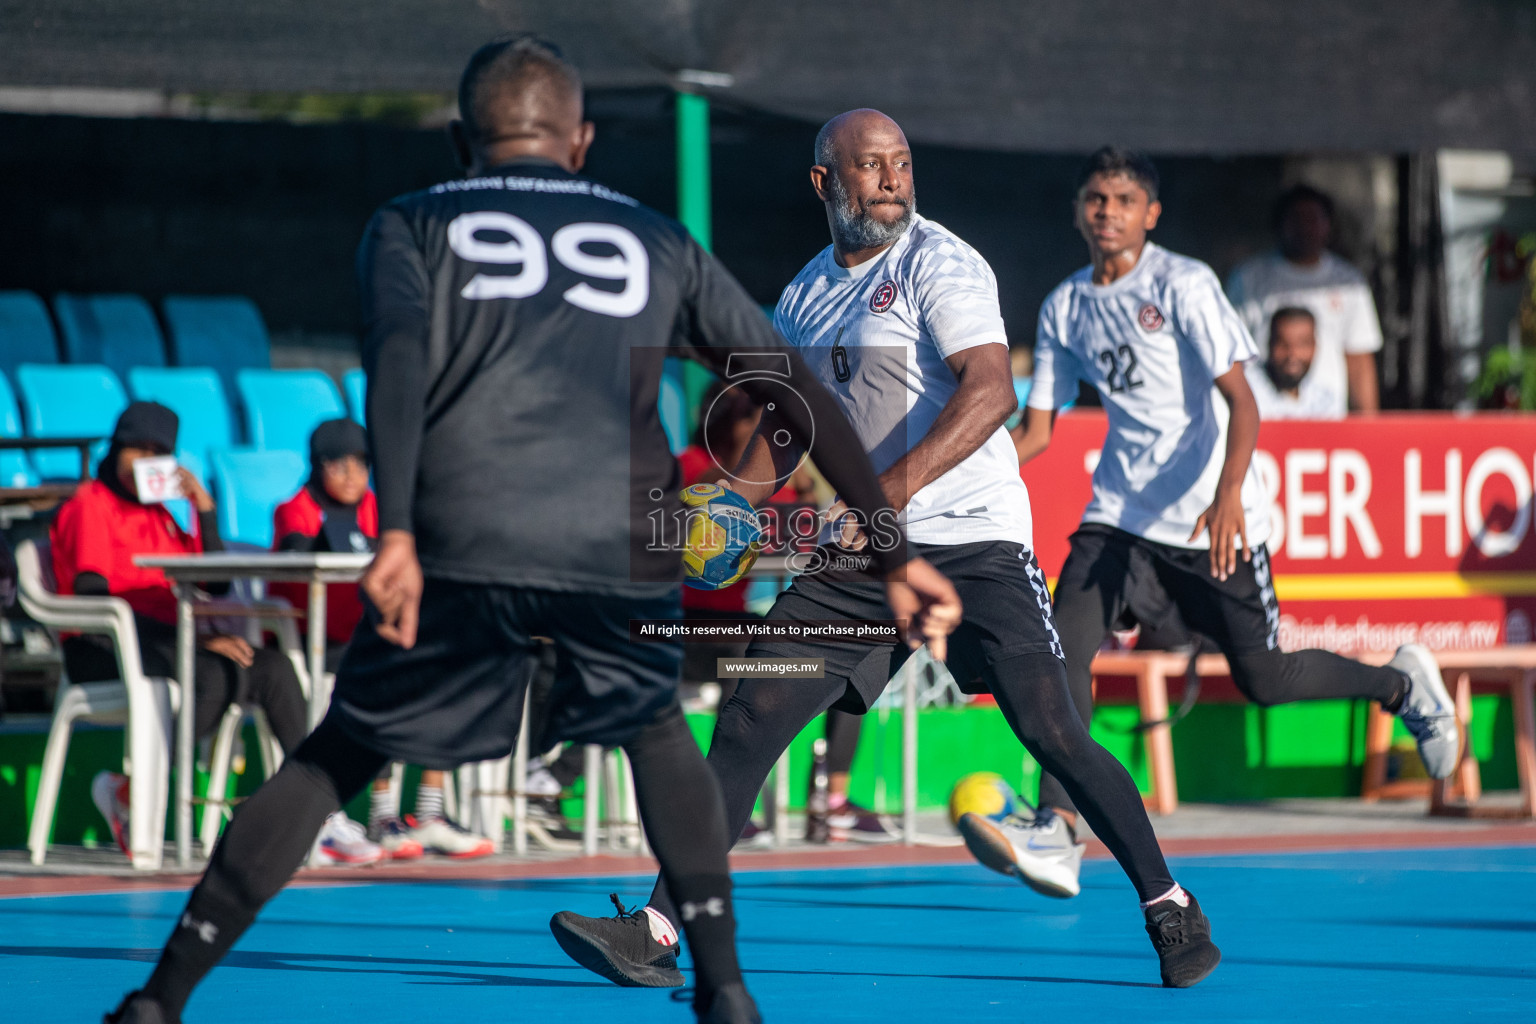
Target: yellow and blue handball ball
{"x":723,"y":538}
{"x":983,"y":793}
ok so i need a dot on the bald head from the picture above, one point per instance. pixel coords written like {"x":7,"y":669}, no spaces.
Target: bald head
{"x":852,"y":129}
{"x":863,"y":174}
{"x":520,"y":97}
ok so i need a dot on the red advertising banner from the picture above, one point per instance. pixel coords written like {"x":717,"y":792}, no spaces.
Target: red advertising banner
{"x":1386,"y":529}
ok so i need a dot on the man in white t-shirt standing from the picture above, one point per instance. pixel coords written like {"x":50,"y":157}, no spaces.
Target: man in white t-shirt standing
{"x":899,"y":319}
{"x":1178,"y":520}
{"x":1284,"y":385}
{"x":1302,"y":272}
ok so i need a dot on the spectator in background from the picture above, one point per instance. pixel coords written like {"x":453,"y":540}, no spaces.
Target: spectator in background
{"x":335,"y":510}
{"x":1282,"y":385}
{"x":1303,"y":273}
{"x":95,"y":537}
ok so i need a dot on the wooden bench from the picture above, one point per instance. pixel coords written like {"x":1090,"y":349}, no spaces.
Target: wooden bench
{"x":1512,"y":668}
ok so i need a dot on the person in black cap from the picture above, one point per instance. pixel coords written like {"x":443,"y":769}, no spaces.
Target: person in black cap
{"x":95,"y":537}
{"x":336,"y":510}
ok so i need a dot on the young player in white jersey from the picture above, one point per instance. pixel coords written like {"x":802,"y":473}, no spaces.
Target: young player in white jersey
{"x":1177,"y":519}
{"x":899,"y":319}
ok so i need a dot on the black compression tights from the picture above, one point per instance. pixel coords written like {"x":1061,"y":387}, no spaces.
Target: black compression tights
{"x":764,"y":715}
{"x":273,"y":831}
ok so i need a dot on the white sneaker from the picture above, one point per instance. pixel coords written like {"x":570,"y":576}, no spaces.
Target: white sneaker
{"x":109,"y":792}
{"x":540,"y":782}
{"x":1043,"y":853}
{"x":1428,"y":712}
{"x":449,"y":838}
{"x":344,"y":841}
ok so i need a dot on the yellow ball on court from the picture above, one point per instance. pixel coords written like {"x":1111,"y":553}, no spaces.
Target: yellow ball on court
{"x":983,"y":793}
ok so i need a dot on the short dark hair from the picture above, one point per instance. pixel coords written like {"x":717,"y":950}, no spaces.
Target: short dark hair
{"x":1300,"y":194}
{"x":1290,"y":313}
{"x":519,"y":60}
{"x":1112,"y":160}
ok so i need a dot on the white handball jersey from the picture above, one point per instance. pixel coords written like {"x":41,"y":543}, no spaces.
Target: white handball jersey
{"x":1313,"y":399}
{"x":1152,"y":343}
{"x":1334,"y":292}
{"x":876,"y":335}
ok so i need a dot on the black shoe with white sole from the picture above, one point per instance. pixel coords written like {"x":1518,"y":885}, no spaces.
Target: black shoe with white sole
{"x":620,"y":948}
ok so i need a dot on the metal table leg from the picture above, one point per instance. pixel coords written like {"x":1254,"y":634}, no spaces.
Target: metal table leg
{"x":319,"y":693}
{"x":186,"y":738}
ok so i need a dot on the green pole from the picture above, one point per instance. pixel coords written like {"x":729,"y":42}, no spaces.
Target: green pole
{"x":693,"y":165}
{"x":693,"y":211}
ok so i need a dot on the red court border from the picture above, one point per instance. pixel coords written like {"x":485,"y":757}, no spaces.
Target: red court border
{"x":874,"y":856}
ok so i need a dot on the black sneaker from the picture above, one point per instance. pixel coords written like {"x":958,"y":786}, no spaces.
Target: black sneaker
{"x":729,"y":1005}
{"x":620,"y":948}
{"x":137,"y":1008}
{"x":1182,"y":938}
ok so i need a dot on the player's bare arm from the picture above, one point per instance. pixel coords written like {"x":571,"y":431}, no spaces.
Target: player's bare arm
{"x":1224,"y":518}
{"x":982,"y":402}
{"x":1033,"y":433}
{"x":1364,"y":393}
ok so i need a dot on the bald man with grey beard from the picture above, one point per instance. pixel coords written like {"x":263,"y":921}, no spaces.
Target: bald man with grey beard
{"x":899,"y":319}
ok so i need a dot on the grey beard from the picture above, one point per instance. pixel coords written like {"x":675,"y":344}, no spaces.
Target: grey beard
{"x":855,"y":231}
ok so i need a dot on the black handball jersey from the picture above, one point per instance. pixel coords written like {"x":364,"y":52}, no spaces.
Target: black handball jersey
{"x":515,"y":329}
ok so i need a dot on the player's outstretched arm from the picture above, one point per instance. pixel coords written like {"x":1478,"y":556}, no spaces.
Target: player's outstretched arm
{"x":1224,"y":518}
{"x":764,"y":467}
{"x":1033,"y":433}
{"x":983,"y":400}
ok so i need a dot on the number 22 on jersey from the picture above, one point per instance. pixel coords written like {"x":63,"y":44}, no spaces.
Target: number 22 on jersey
{"x":524,"y":247}
{"x":1121,"y":369}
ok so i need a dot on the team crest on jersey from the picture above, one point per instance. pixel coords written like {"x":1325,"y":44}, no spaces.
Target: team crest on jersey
{"x":884,"y":297}
{"x":1150,"y":317}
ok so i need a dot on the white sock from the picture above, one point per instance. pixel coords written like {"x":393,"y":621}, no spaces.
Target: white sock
{"x":662,"y":930}
{"x":1177,"y":894}
{"x":429,"y":802}
{"x":380,"y":807}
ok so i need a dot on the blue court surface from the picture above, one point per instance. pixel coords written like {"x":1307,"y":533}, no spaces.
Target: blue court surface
{"x":1407,"y":935}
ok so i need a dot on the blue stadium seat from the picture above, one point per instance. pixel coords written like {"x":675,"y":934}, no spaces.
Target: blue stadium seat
{"x":26,"y":332}
{"x":225,"y":332}
{"x":117,"y":331}
{"x":15,"y":470}
{"x":197,"y":397}
{"x":250,"y":485}
{"x":283,"y":407}
{"x":673,"y":402}
{"x":355,"y":384}
{"x":69,"y":401}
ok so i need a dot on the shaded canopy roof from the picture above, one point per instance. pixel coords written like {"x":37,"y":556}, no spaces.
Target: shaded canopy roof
{"x":1180,"y":76}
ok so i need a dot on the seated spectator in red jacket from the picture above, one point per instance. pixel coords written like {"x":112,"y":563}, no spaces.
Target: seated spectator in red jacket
{"x":95,"y":537}
{"x":336,"y":510}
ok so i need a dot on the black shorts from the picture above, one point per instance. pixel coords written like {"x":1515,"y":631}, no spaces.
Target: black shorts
{"x":457,"y":695}
{"x":1167,"y":590}
{"x":1007,"y":614}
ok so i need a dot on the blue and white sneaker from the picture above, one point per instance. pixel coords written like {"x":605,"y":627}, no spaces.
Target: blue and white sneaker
{"x":1042,"y":853}
{"x":1428,"y":712}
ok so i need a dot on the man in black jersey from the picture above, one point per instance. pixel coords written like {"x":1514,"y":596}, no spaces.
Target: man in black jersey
{"x":515,"y":328}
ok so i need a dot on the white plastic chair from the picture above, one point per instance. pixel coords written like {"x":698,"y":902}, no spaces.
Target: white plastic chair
{"x":144,"y":705}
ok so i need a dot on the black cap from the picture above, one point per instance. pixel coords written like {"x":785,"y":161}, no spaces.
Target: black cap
{"x":146,"y":425}
{"x":336,"y":439}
